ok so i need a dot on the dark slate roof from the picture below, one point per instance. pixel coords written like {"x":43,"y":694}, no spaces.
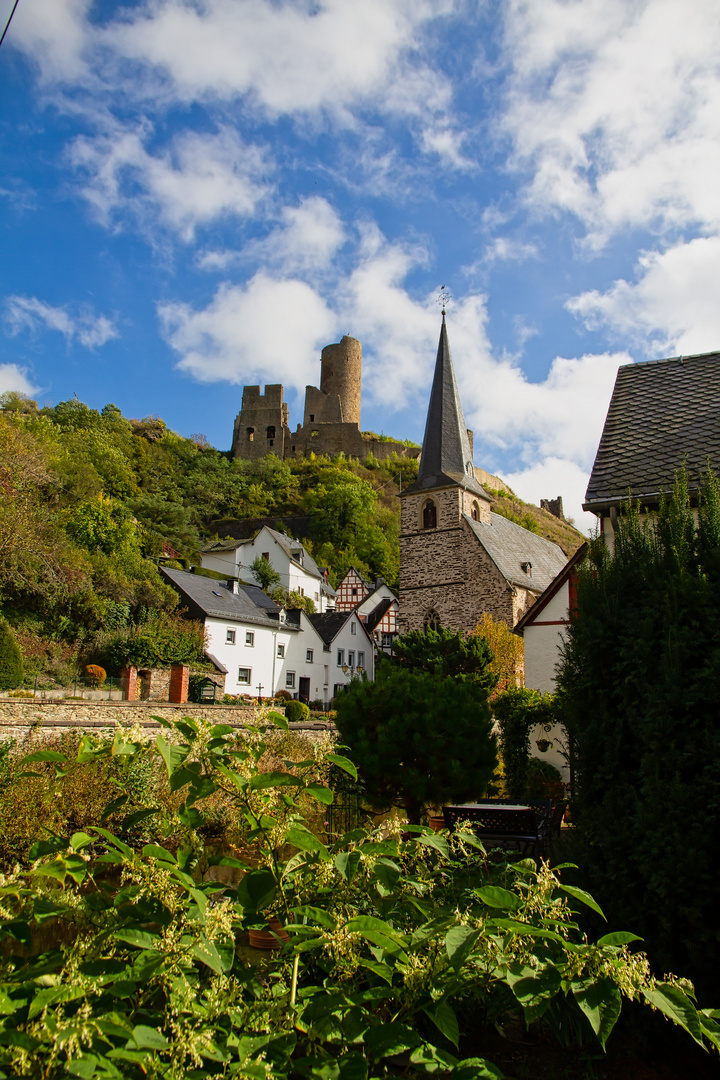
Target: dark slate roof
{"x":248,"y":605}
{"x":662,"y":413}
{"x":446,"y":458}
{"x":509,"y":546}
{"x":330,"y":623}
{"x":377,"y":613}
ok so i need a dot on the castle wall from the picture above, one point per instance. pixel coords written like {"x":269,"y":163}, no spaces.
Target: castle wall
{"x":262,"y":425}
{"x":334,"y":439}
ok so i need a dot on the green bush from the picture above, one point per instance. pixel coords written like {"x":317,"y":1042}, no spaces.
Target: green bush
{"x":296,"y":711}
{"x":639,"y":692}
{"x":417,"y":739}
{"x":11,"y":662}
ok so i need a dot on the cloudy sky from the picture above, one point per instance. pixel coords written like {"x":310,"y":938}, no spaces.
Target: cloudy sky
{"x":199,"y":194}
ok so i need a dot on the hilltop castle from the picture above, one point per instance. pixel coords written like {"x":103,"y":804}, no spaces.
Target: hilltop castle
{"x":331,"y":421}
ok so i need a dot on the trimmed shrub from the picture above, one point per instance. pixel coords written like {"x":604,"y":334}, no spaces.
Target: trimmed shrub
{"x":11,"y":662}
{"x":95,"y":674}
{"x":296,"y":711}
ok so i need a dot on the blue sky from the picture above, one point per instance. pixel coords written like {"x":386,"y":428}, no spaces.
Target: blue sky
{"x":200,"y":195}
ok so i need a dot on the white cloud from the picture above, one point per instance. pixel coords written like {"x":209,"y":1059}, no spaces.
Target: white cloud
{"x":306,"y":241}
{"x":552,"y":477}
{"x":54,"y":35}
{"x":14,"y":377}
{"x":29,"y":313}
{"x":671,"y":308}
{"x":200,"y":177}
{"x":268,"y":330}
{"x":615,"y":107}
{"x":290,"y":57}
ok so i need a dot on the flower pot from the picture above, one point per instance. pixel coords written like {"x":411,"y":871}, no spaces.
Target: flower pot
{"x":266,"y":939}
{"x":436,"y":822}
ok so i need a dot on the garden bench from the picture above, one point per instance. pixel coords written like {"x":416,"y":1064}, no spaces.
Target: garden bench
{"x":501,"y":824}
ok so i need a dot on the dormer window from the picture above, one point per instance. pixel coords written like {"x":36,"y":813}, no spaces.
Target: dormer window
{"x":526,"y":568}
{"x":429,"y":515}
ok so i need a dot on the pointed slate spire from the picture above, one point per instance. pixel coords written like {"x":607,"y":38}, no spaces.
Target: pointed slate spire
{"x":446,"y":458}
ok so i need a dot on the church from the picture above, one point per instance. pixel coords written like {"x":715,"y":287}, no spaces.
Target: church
{"x":458,"y":559}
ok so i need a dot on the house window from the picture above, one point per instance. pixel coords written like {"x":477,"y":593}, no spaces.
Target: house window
{"x":354,"y":590}
{"x":250,"y":637}
{"x":281,"y":650}
{"x":326,"y":676}
{"x":387,"y":640}
{"x":266,"y":555}
{"x":351,"y":658}
{"x":308,"y":656}
{"x":475,"y":511}
{"x":312,"y":418}
{"x":429,"y":515}
{"x":432,"y":620}
{"x":341,"y":657}
{"x":290,"y":680}
{"x":270,"y":431}
{"x":244,"y":676}
{"x":317,"y":596}
{"x":353,"y":628}
{"x":229,"y":637}
{"x":361,"y":660}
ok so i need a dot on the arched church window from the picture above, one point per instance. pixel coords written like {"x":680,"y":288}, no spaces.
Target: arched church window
{"x":475,"y":510}
{"x":271,"y":431}
{"x":251,"y":434}
{"x":431,"y":620}
{"x":429,"y":515}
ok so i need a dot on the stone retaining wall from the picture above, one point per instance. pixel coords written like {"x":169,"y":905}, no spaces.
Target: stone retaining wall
{"x":20,"y":716}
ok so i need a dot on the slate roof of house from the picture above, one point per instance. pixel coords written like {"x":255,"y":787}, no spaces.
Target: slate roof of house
{"x":510,"y":546}
{"x":446,"y":458}
{"x":662,"y":413}
{"x":248,"y":605}
{"x":329,"y":623}
{"x":377,"y":613}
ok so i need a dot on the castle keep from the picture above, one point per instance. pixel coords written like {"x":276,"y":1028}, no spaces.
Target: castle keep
{"x":331,"y":420}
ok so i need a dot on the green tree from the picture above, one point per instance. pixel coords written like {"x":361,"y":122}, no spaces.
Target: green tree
{"x":417,"y":739}
{"x":264,"y":573}
{"x":448,"y":655}
{"x":517,"y":710}
{"x":639,"y":695}
{"x":11,"y":663}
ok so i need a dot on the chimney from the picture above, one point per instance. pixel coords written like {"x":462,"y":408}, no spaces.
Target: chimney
{"x":232,"y":584}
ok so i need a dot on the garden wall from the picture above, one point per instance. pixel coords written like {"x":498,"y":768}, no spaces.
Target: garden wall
{"x":20,"y":716}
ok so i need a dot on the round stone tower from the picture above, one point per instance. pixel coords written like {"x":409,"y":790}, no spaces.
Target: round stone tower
{"x":340,"y":374}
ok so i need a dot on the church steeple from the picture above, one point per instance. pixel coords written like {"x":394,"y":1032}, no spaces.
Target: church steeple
{"x":446,"y":458}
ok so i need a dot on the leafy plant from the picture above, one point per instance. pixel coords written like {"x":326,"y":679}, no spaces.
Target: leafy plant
{"x":296,"y":711}
{"x":131,"y":966}
{"x":516,"y":712}
{"x":95,"y":674}
{"x":264,"y":573}
{"x":446,"y":653}
{"x":11,"y":662}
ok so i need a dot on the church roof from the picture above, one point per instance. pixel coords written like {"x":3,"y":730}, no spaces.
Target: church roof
{"x":522,"y":557}
{"x":446,"y":458}
{"x":662,"y":413}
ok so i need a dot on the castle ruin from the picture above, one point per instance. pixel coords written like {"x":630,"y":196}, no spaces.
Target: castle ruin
{"x":331,"y":420}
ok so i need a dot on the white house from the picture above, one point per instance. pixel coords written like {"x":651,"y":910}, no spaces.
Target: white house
{"x":262,"y":648}
{"x":297,"y":569}
{"x":543,"y":628}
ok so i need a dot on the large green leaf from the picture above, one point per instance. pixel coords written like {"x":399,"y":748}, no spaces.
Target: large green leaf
{"x":147,"y":1038}
{"x":302,"y":838}
{"x":388,"y":1039}
{"x":494,"y":896}
{"x":618,"y":937}
{"x":444,"y":1018}
{"x":601,"y":1002}
{"x":322,"y":794}
{"x":583,"y":897}
{"x":458,"y":944}
{"x":172,"y":754}
{"x":274,"y":779}
{"x":343,"y":763}
{"x":257,"y":889}
{"x":476,"y":1069}
{"x":347,"y":863}
{"x":671,"y":1001}
{"x":205,"y":951}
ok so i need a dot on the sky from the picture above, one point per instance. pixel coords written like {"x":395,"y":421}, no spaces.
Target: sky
{"x":197,"y":195}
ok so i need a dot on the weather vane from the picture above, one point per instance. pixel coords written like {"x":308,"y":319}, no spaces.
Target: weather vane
{"x":443,"y":298}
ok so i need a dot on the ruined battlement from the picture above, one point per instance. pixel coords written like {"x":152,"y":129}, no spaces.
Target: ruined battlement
{"x":331,"y":418}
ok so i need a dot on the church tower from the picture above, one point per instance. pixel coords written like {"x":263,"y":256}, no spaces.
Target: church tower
{"x":436,"y":511}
